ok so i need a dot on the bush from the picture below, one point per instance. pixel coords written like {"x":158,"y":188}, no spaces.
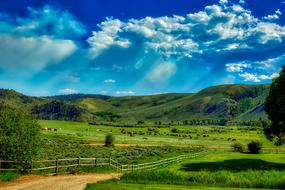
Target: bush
{"x":19,"y":135}
{"x":238,"y":147}
{"x":109,"y":140}
{"x":254,"y":147}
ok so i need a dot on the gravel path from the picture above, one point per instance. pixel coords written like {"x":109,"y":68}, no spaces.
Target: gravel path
{"x":60,"y":182}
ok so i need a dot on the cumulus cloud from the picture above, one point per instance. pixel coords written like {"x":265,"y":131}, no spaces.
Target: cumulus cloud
{"x":109,"y":81}
{"x":125,"y":93}
{"x":250,"y":77}
{"x":67,"y":91}
{"x":220,"y":34}
{"x":273,"y":16}
{"x":253,"y":77}
{"x":236,"y":67}
{"x":107,"y":37}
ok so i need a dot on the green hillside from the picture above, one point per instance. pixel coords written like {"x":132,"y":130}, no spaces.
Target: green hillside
{"x":235,"y":102}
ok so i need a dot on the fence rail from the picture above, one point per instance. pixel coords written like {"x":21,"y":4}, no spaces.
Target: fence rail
{"x":55,"y":165}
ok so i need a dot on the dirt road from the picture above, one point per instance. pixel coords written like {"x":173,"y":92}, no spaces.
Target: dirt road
{"x":60,"y":182}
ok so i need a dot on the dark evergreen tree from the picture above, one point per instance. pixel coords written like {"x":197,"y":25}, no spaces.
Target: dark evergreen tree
{"x":275,"y":108}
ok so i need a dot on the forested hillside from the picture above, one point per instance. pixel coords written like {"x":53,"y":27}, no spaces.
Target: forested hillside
{"x":231,"y":102}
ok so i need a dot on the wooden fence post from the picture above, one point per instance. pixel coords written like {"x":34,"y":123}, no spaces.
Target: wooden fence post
{"x":95,"y":162}
{"x":78,"y":163}
{"x":0,"y":166}
{"x":110,"y":162}
{"x":31,"y":166}
{"x":56,"y":166}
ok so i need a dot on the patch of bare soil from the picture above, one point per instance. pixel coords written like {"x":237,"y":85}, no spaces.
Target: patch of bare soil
{"x":60,"y":182}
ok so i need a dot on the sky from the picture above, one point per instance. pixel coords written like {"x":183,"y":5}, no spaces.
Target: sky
{"x":138,"y":47}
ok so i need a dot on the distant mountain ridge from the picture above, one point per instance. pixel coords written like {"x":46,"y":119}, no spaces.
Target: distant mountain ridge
{"x":235,"y":102}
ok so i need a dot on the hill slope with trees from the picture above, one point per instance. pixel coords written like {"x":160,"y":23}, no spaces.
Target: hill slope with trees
{"x":232,"y":102}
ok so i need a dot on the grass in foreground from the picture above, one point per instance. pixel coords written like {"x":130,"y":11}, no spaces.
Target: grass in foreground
{"x":9,"y":176}
{"x":117,"y":185}
{"x":221,"y":170}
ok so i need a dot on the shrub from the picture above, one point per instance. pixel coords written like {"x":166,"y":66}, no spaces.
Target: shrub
{"x":109,"y":140}
{"x":254,"y":147}
{"x":238,"y":147}
{"x":19,"y":135}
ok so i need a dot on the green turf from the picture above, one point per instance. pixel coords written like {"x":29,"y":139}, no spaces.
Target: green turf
{"x":211,"y":136}
{"x":219,"y":169}
{"x":128,"y":186}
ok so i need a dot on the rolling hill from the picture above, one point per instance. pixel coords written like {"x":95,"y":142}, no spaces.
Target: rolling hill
{"x":235,"y":102}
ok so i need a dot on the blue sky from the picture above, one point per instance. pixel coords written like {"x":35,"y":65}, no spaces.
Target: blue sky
{"x":130,"y":47}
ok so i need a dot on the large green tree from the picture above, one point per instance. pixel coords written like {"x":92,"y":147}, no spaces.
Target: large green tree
{"x":275,"y":108}
{"x":18,"y":135}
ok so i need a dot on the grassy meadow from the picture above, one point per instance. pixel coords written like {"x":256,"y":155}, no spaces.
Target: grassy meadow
{"x":217,"y":170}
{"x":209,"y":136}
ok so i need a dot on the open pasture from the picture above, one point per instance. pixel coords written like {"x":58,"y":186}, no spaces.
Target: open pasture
{"x":209,"y":136}
{"x":217,"y":170}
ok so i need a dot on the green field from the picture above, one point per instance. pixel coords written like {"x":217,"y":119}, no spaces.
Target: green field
{"x":210,"y":136}
{"x":219,"y":169}
{"x":227,"y":170}
{"x":128,"y":186}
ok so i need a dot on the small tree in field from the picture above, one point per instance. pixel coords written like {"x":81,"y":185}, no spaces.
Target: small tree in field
{"x":18,"y":135}
{"x":109,"y":140}
{"x":254,"y":147}
{"x":237,"y":147}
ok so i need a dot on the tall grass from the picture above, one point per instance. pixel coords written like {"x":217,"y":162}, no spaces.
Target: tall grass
{"x":9,"y":176}
{"x":247,"y":179}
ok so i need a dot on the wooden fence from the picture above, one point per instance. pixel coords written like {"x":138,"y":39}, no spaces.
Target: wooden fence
{"x":55,"y":166}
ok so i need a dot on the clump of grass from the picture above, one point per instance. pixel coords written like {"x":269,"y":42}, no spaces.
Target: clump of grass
{"x":248,"y":179}
{"x":160,"y":176}
{"x":9,"y":176}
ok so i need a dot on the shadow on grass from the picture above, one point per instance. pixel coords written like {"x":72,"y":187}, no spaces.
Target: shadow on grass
{"x":233,"y":165}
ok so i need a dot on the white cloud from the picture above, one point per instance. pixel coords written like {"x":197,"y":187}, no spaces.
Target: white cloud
{"x":253,"y":77}
{"x":109,"y":81}
{"x":67,"y":91}
{"x":243,"y":2}
{"x":268,"y":77}
{"x":236,"y":67}
{"x":249,"y":77}
{"x":31,"y":54}
{"x":161,"y":72}
{"x":219,"y":28}
{"x":107,"y":37}
{"x":125,"y":93}
{"x":273,"y":16}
